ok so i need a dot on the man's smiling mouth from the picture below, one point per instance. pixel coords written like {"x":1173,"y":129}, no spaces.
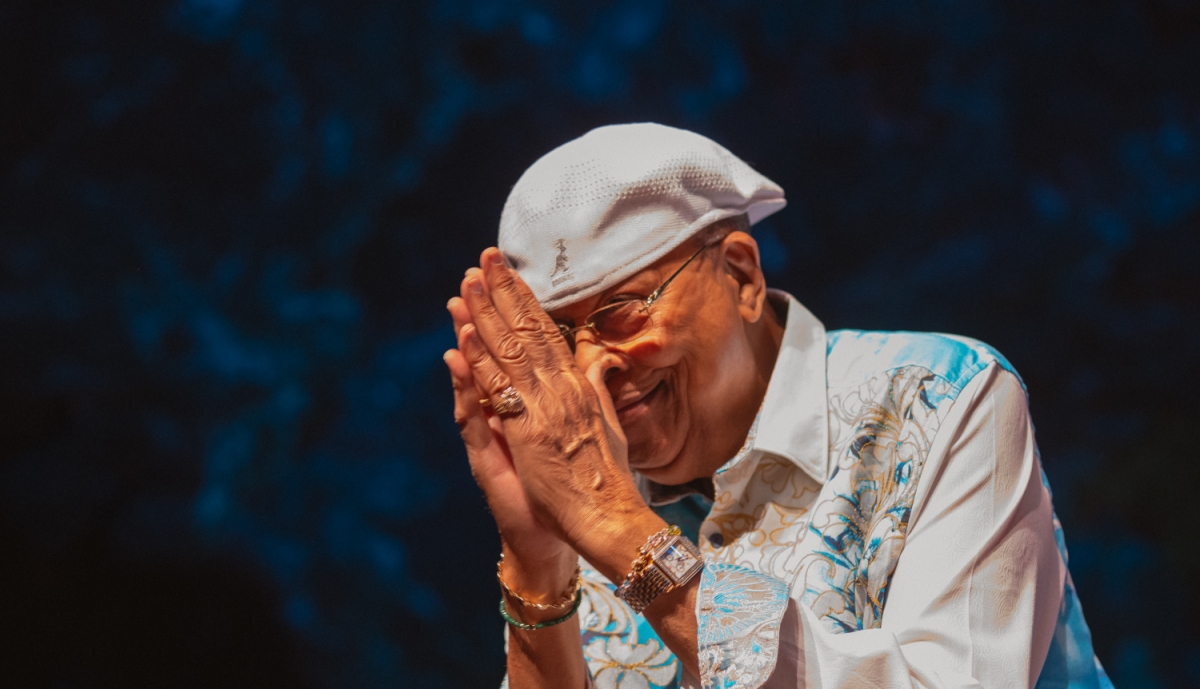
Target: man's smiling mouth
{"x":629,"y":410}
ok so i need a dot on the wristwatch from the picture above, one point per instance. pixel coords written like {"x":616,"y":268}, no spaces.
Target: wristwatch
{"x":667,"y":561}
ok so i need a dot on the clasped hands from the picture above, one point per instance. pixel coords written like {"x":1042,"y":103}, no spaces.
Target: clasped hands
{"x":555,"y":475}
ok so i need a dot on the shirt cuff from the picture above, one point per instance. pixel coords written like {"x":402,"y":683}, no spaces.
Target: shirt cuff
{"x":738,"y":613}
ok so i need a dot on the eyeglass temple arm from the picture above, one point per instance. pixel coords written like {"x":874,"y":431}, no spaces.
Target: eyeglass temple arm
{"x":658,"y":292}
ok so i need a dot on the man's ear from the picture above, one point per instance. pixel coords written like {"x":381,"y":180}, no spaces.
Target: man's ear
{"x":740,"y":253}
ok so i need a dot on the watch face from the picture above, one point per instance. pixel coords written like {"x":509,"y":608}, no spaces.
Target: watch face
{"x":675,"y":561}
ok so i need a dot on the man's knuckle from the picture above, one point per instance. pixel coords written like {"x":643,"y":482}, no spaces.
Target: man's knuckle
{"x":510,"y":350}
{"x":475,"y":354}
{"x":504,"y":280}
{"x":480,"y":359}
{"x":497,"y":381}
{"x":549,"y":328}
{"x":528,"y":325}
{"x":485,"y":309}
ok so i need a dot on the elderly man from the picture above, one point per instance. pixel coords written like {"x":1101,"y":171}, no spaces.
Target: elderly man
{"x":869,"y":507}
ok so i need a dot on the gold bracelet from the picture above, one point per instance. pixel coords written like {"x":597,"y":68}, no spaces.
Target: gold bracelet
{"x":568,"y":596}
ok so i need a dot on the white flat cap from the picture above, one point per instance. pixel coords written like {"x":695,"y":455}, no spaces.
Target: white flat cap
{"x":596,"y":210}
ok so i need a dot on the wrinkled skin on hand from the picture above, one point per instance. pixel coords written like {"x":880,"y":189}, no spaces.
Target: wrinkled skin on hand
{"x":553,"y":471}
{"x":556,"y":474}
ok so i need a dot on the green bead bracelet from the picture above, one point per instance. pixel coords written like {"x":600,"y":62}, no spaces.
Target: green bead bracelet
{"x":542,"y":625}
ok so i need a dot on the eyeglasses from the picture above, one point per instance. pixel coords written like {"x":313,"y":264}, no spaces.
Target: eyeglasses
{"x":622,"y":321}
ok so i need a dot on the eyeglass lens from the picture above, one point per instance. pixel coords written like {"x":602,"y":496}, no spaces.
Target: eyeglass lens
{"x":620,"y":322}
{"x":615,"y":323}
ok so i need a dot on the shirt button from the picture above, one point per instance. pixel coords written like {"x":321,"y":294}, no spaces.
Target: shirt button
{"x":717,"y":539}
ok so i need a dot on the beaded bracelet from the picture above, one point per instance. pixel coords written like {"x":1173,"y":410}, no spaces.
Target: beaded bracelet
{"x":524,"y":626}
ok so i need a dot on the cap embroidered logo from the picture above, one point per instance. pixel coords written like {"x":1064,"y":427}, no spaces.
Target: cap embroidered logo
{"x":560,"y":265}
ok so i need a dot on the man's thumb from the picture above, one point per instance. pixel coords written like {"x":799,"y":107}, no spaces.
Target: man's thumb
{"x":595,"y":376}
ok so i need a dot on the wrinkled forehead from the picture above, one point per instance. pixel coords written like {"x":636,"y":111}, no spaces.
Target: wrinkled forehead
{"x":599,"y":210}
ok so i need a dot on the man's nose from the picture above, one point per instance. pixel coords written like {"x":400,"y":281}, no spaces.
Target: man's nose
{"x":612,"y":362}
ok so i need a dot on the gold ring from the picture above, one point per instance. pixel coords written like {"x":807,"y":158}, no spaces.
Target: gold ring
{"x":510,"y":402}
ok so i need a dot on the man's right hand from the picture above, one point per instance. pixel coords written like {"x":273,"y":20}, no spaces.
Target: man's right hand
{"x":537,"y":564}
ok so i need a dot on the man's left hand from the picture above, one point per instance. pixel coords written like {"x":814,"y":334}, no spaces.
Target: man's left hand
{"x":566,"y":444}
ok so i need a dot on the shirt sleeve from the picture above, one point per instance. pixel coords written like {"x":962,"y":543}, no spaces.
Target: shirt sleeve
{"x":976,"y":592}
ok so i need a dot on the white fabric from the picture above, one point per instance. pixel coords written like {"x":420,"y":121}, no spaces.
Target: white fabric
{"x":973,"y":600}
{"x":919,"y":448}
{"x":598,"y":209}
{"x":975,"y":597}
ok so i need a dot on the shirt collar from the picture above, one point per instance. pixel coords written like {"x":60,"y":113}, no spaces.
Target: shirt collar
{"x":793,"y":422}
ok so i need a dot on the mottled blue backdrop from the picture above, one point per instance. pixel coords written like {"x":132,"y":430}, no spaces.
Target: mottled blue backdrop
{"x":229,"y":229}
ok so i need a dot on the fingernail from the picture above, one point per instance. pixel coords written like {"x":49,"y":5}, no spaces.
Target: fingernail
{"x":497,"y":258}
{"x":474,"y":286}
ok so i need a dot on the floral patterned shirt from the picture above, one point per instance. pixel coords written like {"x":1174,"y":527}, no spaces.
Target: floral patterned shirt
{"x":886,"y":523}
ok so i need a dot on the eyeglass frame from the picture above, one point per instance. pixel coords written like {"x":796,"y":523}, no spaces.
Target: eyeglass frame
{"x":568,"y":332}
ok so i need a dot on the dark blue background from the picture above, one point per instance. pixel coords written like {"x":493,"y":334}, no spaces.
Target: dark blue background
{"x":227,"y":457}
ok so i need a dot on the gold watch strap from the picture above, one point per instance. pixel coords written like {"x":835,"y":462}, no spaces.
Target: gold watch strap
{"x":665,"y":564}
